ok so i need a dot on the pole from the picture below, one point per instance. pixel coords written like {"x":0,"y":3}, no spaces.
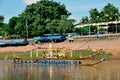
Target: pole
{"x":36,"y":52}
{"x":31,"y":53}
{"x":98,"y":30}
{"x":116,"y":25}
{"x":116,"y":22}
{"x":26,"y":29}
{"x":89,"y":30}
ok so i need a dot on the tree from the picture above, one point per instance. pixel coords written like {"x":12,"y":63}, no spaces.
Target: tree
{"x":41,"y":17}
{"x":84,"y":20}
{"x":5,"y":30}
{"x":12,"y":23}
{"x":109,"y":13}
{"x":1,"y":24}
{"x":51,"y":27}
{"x":65,"y":25}
{"x":1,"y":18}
{"x":1,"y":21}
{"x":94,"y":15}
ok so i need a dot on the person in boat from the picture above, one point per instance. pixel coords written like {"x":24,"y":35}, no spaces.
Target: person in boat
{"x":80,"y":62}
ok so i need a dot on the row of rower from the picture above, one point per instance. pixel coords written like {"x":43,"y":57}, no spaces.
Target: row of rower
{"x":47,"y":61}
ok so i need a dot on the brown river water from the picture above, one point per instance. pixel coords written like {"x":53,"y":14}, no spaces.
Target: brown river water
{"x":108,"y":70}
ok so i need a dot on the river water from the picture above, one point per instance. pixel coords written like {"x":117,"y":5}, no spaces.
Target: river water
{"x":108,"y":70}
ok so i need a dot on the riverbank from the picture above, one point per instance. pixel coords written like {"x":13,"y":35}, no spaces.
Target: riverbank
{"x":108,"y":45}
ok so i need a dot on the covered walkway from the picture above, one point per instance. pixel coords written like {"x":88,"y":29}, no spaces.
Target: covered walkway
{"x":105,"y":25}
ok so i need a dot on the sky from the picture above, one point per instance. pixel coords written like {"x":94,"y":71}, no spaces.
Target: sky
{"x":78,"y":8}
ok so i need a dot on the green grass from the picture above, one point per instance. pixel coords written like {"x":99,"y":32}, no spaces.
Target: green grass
{"x":87,"y":52}
{"x":67,"y":55}
{"x":27,"y":55}
{"x":104,"y":55}
{"x":9,"y":55}
{"x":75,"y":54}
{"x":21,"y":55}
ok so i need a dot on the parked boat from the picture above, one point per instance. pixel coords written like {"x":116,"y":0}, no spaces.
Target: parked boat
{"x":22,"y":42}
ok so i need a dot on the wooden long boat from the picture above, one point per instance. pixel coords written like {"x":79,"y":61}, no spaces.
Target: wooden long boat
{"x":94,"y":63}
{"x":50,"y":61}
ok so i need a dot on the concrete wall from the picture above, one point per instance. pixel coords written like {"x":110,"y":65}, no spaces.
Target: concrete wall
{"x":97,"y":37}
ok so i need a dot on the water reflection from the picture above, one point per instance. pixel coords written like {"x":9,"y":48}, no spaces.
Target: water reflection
{"x":108,"y":70}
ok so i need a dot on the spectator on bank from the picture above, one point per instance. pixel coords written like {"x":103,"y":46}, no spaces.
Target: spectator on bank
{"x":70,"y":39}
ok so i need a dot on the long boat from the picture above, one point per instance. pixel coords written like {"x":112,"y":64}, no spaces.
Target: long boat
{"x":51,"y":61}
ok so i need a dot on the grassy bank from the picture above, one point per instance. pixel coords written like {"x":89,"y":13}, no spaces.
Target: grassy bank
{"x":67,"y":54}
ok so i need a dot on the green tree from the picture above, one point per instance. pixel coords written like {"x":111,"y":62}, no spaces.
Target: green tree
{"x":5,"y":30}
{"x":41,"y":17}
{"x":84,"y":20}
{"x":1,"y":21}
{"x":94,"y":15}
{"x":12,"y":23}
{"x":1,"y":18}
{"x":65,"y":25}
{"x":109,"y":13}
{"x":1,"y":24}
{"x":51,"y":27}
{"x":3,"y":27}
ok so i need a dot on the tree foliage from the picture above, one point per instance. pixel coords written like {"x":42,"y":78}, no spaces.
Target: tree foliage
{"x":94,"y":15}
{"x":1,"y":18}
{"x":1,"y":24}
{"x":1,"y":21}
{"x":11,"y":25}
{"x":48,"y":16}
{"x":84,"y":20}
{"x":43,"y":17}
{"x":108,"y":13}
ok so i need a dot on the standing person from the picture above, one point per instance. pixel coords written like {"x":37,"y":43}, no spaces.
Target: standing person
{"x":70,"y":39}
